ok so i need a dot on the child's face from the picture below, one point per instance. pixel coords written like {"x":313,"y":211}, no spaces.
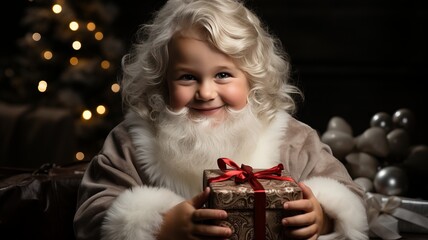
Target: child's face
{"x":203,"y":79}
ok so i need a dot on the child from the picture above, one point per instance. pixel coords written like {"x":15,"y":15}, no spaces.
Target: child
{"x":208,"y":81}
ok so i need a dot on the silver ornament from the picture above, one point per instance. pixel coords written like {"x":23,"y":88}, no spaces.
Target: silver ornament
{"x":391,"y":181}
{"x":382,"y":120}
{"x":404,"y":118}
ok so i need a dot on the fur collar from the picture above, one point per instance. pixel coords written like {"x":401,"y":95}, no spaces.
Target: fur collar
{"x":161,"y":171}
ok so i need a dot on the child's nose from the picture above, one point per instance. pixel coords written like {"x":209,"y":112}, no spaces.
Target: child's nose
{"x":206,"y":91}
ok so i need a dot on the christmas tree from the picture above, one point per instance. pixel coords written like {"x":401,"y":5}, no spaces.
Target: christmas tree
{"x":69,"y":58}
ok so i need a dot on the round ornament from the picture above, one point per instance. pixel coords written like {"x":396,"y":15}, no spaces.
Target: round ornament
{"x":391,"y":181}
{"x":382,"y":120}
{"x":404,"y":118}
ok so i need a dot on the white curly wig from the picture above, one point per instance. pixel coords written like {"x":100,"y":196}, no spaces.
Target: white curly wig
{"x":231,"y":28}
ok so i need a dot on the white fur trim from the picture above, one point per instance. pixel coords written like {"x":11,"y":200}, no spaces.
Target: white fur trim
{"x":266,"y":154}
{"x":343,"y":206}
{"x":137,"y":213}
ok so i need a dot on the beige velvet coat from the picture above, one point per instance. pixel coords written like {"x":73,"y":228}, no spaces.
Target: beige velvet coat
{"x":125,"y":191}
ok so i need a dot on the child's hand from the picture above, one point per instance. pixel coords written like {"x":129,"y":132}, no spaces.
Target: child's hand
{"x":311,"y":223}
{"x":188,"y":221}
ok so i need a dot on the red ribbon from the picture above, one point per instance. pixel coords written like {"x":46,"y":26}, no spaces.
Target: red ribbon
{"x":245,"y":174}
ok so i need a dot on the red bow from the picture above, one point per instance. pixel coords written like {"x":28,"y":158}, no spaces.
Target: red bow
{"x":245,"y":174}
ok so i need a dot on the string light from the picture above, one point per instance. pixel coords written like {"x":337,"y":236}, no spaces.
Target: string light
{"x":43,"y":85}
{"x":101,"y":110}
{"x":91,"y":26}
{"x":73,"y":26}
{"x":80,"y":156}
{"x":115,"y":87}
{"x":87,"y":115}
{"x":36,"y":36}
{"x":74,"y":35}
{"x":56,"y":8}
{"x":74,"y":61}
{"x":99,"y":36}
{"x":105,"y":64}
{"x":48,"y":55}
{"x":76,"y":45}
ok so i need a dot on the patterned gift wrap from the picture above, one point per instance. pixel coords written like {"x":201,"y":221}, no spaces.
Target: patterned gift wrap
{"x":238,"y":201}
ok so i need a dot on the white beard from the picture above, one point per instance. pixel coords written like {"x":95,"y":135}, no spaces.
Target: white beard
{"x":174,"y":151}
{"x":188,"y":146}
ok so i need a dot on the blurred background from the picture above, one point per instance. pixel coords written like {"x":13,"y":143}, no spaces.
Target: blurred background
{"x":60,"y":64}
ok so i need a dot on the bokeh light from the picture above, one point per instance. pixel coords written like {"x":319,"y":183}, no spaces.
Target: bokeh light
{"x":80,"y":156}
{"x":87,"y":115}
{"x":56,"y":8}
{"x":101,"y":109}
{"x":74,"y":61}
{"x":43,"y":86}
{"x":36,"y":36}
{"x":77,"y":45}
{"x":73,"y":26}
{"x":105,"y":64}
{"x":99,"y":36}
{"x":48,"y":55}
{"x":115,"y":87}
{"x":91,"y":26}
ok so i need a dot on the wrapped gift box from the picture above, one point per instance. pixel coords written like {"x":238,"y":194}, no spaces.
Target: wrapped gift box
{"x":417,"y":206}
{"x":396,"y":214}
{"x":238,"y":201}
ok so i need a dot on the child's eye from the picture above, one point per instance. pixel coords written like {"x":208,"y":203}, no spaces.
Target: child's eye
{"x":223,"y":75}
{"x":187,"y":77}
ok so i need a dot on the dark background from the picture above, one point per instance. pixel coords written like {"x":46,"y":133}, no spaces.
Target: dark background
{"x":351,"y":58}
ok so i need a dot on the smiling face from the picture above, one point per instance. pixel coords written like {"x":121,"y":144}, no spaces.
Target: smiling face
{"x":203,"y":79}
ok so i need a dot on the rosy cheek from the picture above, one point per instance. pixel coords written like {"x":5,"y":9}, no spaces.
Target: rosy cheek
{"x":245,"y":93}
{"x":178,"y":98}
{"x":238,"y":97}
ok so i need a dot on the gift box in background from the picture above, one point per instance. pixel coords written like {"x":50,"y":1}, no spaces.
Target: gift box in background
{"x":417,"y":206}
{"x":239,"y":201}
{"x":389,"y":216}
